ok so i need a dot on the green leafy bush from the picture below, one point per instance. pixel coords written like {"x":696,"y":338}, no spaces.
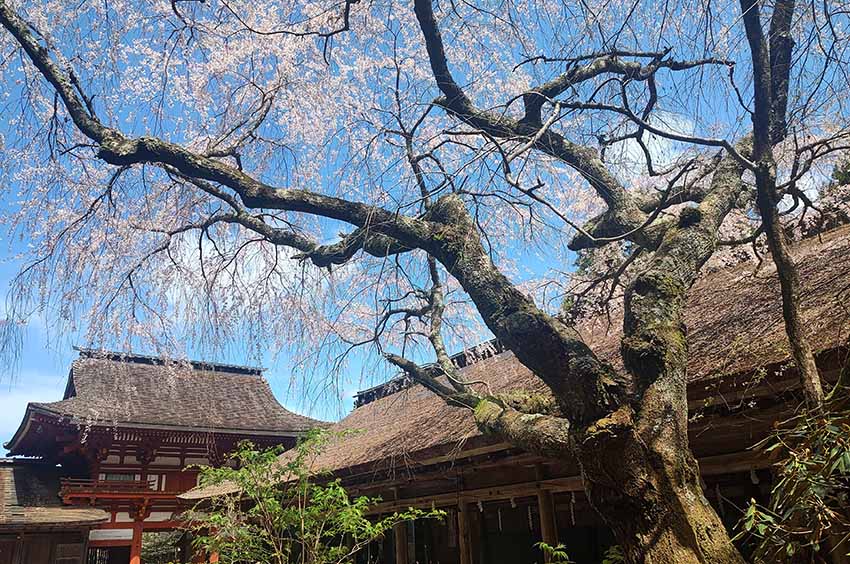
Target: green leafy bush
{"x":558,"y":554}
{"x":809,"y":508}
{"x":555,"y":554}
{"x":282,"y":511}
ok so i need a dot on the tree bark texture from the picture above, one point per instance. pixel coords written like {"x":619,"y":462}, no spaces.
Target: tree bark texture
{"x":770,"y":83}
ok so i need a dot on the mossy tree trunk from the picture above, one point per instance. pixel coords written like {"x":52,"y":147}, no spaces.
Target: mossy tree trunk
{"x":628,"y":431}
{"x":638,"y":461}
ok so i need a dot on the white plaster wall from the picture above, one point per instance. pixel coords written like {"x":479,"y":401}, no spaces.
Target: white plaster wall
{"x":111,"y":534}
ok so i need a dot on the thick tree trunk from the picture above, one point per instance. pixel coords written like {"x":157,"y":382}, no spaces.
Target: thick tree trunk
{"x":633,"y":448}
{"x":637,"y":462}
{"x":673,"y":522}
{"x":638,"y":473}
{"x":644,"y":483}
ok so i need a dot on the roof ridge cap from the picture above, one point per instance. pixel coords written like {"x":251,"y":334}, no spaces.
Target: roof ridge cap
{"x":130,"y":357}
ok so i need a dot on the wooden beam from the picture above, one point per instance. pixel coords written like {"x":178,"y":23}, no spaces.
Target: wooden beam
{"x":400,"y":537}
{"x":454,"y":457}
{"x":530,"y":489}
{"x":107,"y":543}
{"x":167,"y":524}
{"x":443,"y":472}
{"x":709,"y":466}
{"x":734,"y":462}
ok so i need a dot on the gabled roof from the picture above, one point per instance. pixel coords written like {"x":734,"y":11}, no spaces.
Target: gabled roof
{"x":735,"y":326}
{"x":29,"y":498}
{"x":121,"y":390}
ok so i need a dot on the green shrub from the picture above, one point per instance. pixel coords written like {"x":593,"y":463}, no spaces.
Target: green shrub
{"x":809,"y":502}
{"x":281,"y":510}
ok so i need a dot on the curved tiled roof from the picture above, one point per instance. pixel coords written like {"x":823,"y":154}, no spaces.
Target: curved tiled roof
{"x":139,"y":391}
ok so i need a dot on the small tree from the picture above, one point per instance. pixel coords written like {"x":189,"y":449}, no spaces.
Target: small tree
{"x":161,"y":547}
{"x":276,"y":511}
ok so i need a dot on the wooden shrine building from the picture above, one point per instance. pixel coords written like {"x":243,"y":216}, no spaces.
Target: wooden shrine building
{"x":417,"y":451}
{"x":111,"y":457}
{"x":35,"y":526}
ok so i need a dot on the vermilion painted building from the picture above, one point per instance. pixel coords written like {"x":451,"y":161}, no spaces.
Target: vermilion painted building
{"x":121,"y":444}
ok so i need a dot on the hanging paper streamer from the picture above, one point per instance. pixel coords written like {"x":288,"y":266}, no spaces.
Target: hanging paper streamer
{"x":530,"y":520}
{"x":573,"y":508}
{"x":499,"y":513}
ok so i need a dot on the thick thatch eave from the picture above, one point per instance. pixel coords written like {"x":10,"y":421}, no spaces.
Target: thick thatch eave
{"x":735,"y":329}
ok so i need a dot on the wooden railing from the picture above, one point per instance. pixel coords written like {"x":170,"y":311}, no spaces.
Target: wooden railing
{"x":72,"y":486}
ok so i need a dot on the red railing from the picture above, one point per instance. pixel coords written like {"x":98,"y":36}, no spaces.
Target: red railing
{"x":73,"y":486}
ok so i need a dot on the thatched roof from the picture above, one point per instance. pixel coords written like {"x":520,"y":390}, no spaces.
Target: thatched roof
{"x":734,"y":322}
{"x":128,"y":390}
{"x":734,"y":316}
{"x":29,"y":498}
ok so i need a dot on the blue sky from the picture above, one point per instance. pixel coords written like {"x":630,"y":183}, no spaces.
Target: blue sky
{"x":40,"y":376}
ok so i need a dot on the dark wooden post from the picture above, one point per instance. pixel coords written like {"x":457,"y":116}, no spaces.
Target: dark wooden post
{"x":400,"y":530}
{"x":400,"y":536}
{"x":548,"y":526}
{"x":464,"y":539}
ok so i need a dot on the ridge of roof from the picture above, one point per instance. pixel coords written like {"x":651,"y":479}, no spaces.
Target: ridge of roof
{"x":401,"y":381}
{"x":138,"y":358}
{"x":105,"y":389}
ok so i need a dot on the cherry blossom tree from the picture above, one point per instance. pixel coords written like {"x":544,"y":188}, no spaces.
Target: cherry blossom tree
{"x":182,"y":171}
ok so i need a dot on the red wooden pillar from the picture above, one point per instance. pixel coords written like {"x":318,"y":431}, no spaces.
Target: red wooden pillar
{"x":214,"y":558}
{"x":136,"y":545}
